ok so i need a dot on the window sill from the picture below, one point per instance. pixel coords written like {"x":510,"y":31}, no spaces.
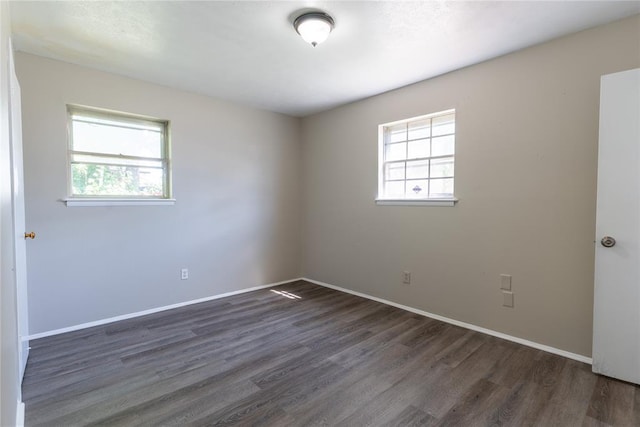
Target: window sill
{"x":79,"y":201}
{"x":412,"y":202}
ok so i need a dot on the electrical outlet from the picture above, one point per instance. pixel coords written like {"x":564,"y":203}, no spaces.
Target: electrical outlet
{"x":507,"y":299}
{"x":184,"y":274}
{"x":406,"y":277}
{"x":505,"y":282}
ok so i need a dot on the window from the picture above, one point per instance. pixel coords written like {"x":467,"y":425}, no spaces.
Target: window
{"x":416,"y":159}
{"x":117,"y":156}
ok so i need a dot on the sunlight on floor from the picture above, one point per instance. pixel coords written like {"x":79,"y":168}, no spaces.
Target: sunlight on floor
{"x":286,"y":294}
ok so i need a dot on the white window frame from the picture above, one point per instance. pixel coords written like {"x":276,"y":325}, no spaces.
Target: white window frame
{"x":121,"y":200}
{"x":426,"y":201}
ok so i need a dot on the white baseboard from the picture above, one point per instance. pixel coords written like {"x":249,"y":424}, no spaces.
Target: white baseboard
{"x":20,"y":414}
{"x":151,"y":311}
{"x":470,"y":326}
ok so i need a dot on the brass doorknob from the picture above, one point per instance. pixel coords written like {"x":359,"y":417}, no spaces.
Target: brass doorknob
{"x":31,"y":235}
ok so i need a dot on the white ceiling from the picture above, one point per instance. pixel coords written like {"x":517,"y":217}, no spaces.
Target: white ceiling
{"x":248,"y":51}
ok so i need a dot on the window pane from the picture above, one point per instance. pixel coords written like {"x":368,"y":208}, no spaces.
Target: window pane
{"x":394,"y":189}
{"x":420,"y":129}
{"x":394,"y":171}
{"x":116,"y":120}
{"x":103,"y":180}
{"x":398,"y":133}
{"x":443,"y":146}
{"x":109,"y":139}
{"x":417,"y":189}
{"x":418,"y":169}
{"x":443,"y":125}
{"x":104,"y":160}
{"x":419,"y":148}
{"x":442,"y":167}
{"x":419,"y":157}
{"x":395,"y":151}
{"x":441,"y":187}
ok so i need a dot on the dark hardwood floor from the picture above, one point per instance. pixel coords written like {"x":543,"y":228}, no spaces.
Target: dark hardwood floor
{"x":300,"y":355}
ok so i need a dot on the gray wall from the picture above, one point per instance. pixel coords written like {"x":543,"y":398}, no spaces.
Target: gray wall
{"x":526,"y":162}
{"x":235,"y":225}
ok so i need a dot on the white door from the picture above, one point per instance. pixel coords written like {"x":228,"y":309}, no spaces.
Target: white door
{"x":17,"y":178}
{"x":616,"y":317}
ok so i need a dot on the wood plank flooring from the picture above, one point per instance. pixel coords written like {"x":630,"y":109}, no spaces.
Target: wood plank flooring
{"x":299,"y":355}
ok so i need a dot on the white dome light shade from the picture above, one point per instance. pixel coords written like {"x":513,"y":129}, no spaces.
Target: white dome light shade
{"x":314,"y":27}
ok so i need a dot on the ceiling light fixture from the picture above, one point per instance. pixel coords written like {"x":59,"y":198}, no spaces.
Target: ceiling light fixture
{"x":314,"y":27}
